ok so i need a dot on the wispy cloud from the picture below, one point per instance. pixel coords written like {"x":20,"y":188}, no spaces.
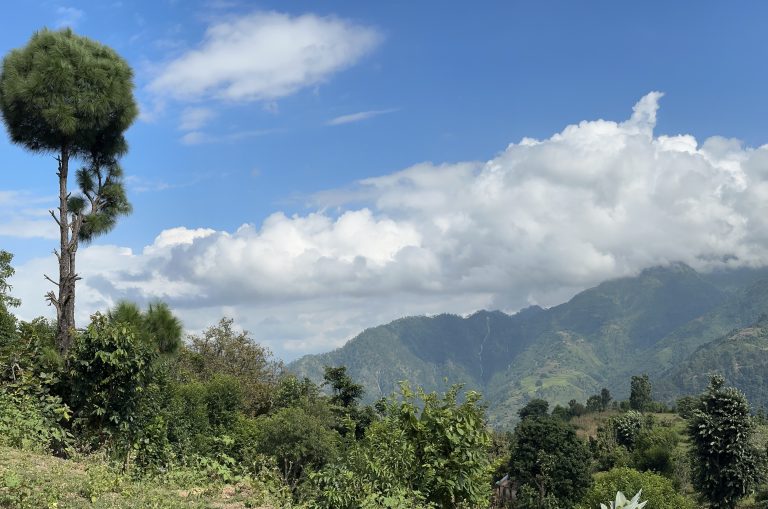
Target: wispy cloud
{"x":265,"y":56}
{"x":357,"y":117}
{"x":199,"y":137}
{"x":192,"y":119}
{"x":68,"y":17}
{"x":23,"y":215}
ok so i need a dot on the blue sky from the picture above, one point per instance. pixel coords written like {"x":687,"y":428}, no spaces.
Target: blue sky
{"x":312,"y":169}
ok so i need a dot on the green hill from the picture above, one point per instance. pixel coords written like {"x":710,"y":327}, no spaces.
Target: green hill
{"x":599,"y":338}
{"x":741,"y":356}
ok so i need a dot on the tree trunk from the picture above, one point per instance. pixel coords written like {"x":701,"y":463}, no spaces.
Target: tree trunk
{"x":65,"y":303}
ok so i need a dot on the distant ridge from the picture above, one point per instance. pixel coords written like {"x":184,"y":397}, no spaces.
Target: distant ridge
{"x":600,"y":338}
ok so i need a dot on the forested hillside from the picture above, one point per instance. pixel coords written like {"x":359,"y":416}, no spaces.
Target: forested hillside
{"x":570,"y":351}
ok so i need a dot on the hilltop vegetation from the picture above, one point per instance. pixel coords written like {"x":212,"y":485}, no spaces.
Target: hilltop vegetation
{"x":132,"y":416}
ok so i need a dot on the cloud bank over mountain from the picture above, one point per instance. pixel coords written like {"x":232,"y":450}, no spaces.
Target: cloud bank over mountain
{"x":539,"y":221}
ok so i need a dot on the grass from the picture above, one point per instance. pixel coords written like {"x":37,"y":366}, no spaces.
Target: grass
{"x":30,"y":480}
{"x":587,"y":424}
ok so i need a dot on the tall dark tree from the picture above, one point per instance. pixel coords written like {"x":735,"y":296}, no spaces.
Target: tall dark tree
{"x":548,"y":459}
{"x":726,"y":465}
{"x":535,"y":408}
{"x":605,"y":399}
{"x":70,"y":96}
{"x":640,"y":395}
{"x":346,"y":392}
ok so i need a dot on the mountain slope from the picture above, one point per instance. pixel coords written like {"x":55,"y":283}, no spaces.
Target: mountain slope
{"x":741,"y":356}
{"x":598,"y":339}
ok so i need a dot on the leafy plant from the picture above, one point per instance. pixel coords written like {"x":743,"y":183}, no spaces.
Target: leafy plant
{"x":108,"y":374}
{"x":658,"y":491}
{"x":621,"y":502}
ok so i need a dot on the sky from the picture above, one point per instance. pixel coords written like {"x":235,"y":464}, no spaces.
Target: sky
{"x":311,"y":169}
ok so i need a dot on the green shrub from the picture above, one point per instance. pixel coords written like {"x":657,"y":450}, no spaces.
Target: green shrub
{"x":657,"y":490}
{"x":223,"y":400}
{"x":27,"y":422}
{"x":547,"y":456}
{"x":436,"y":456}
{"x":627,"y":428}
{"x":109,"y":370}
{"x":654,"y":448}
{"x":297,"y":440}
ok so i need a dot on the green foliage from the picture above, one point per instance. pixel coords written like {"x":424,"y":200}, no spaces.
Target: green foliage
{"x":653,"y":450}
{"x":606,"y":450}
{"x":6,"y":272}
{"x":547,"y":456}
{"x":157,"y":327}
{"x":221,"y":350}
{"x":726,"y":466}
{"x":62,"y":90}
{"x":7,"y":320}
{"x":640,"y":397}
{"x":31,"y":423}
{"x":594,"y":403}
{"x":605,"y":399}
{"x":223,"y":400}
{"x":529,"y":497}
{"x":433,"y":457}
{"x":163,"y":327}
{"x":451,"y":445}
{"x":686,"y":406}
{"x":657,"y":490}
{"x":109,"y":369}
{"x":346,"y":392}
{"x":101,"y":183}
{"x":626,"y":428}
{"x":298,"y":441}
{"x":534,"y":408}
{"x":32,"y":415}
{"x":294,"y":392}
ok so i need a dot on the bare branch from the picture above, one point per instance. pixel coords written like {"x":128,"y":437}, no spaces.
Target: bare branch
{"x":53,"y":301}
{"x":53,"y":215}
{"x":51,"y":280}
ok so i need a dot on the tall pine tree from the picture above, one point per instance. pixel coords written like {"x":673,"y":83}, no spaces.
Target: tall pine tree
{"x":72,"y":97}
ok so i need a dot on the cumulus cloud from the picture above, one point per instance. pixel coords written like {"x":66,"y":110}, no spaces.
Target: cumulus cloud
{"x":265,"y":56}
{"x":357,"y":117}
{"x":538,"y":222}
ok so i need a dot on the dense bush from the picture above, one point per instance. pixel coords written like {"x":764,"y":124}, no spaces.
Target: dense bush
{"x":28,"y":422}
{"x":657,"y":490}
{"x":109,"y":368}
{"x":427,"y":451}
{"x":547,"y":456}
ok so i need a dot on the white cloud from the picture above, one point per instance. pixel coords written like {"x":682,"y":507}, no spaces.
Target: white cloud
{"x":23,"y":215}
{"x":199,"y":137}
{"x":68,"y":17}
{"x":265,"y":56}
{"x":357,"y":117}
{"x":193,"y":119}
{"x":538,"y":222}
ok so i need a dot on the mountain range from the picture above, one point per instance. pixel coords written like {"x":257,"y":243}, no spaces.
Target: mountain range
{"x":671,"y":322}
